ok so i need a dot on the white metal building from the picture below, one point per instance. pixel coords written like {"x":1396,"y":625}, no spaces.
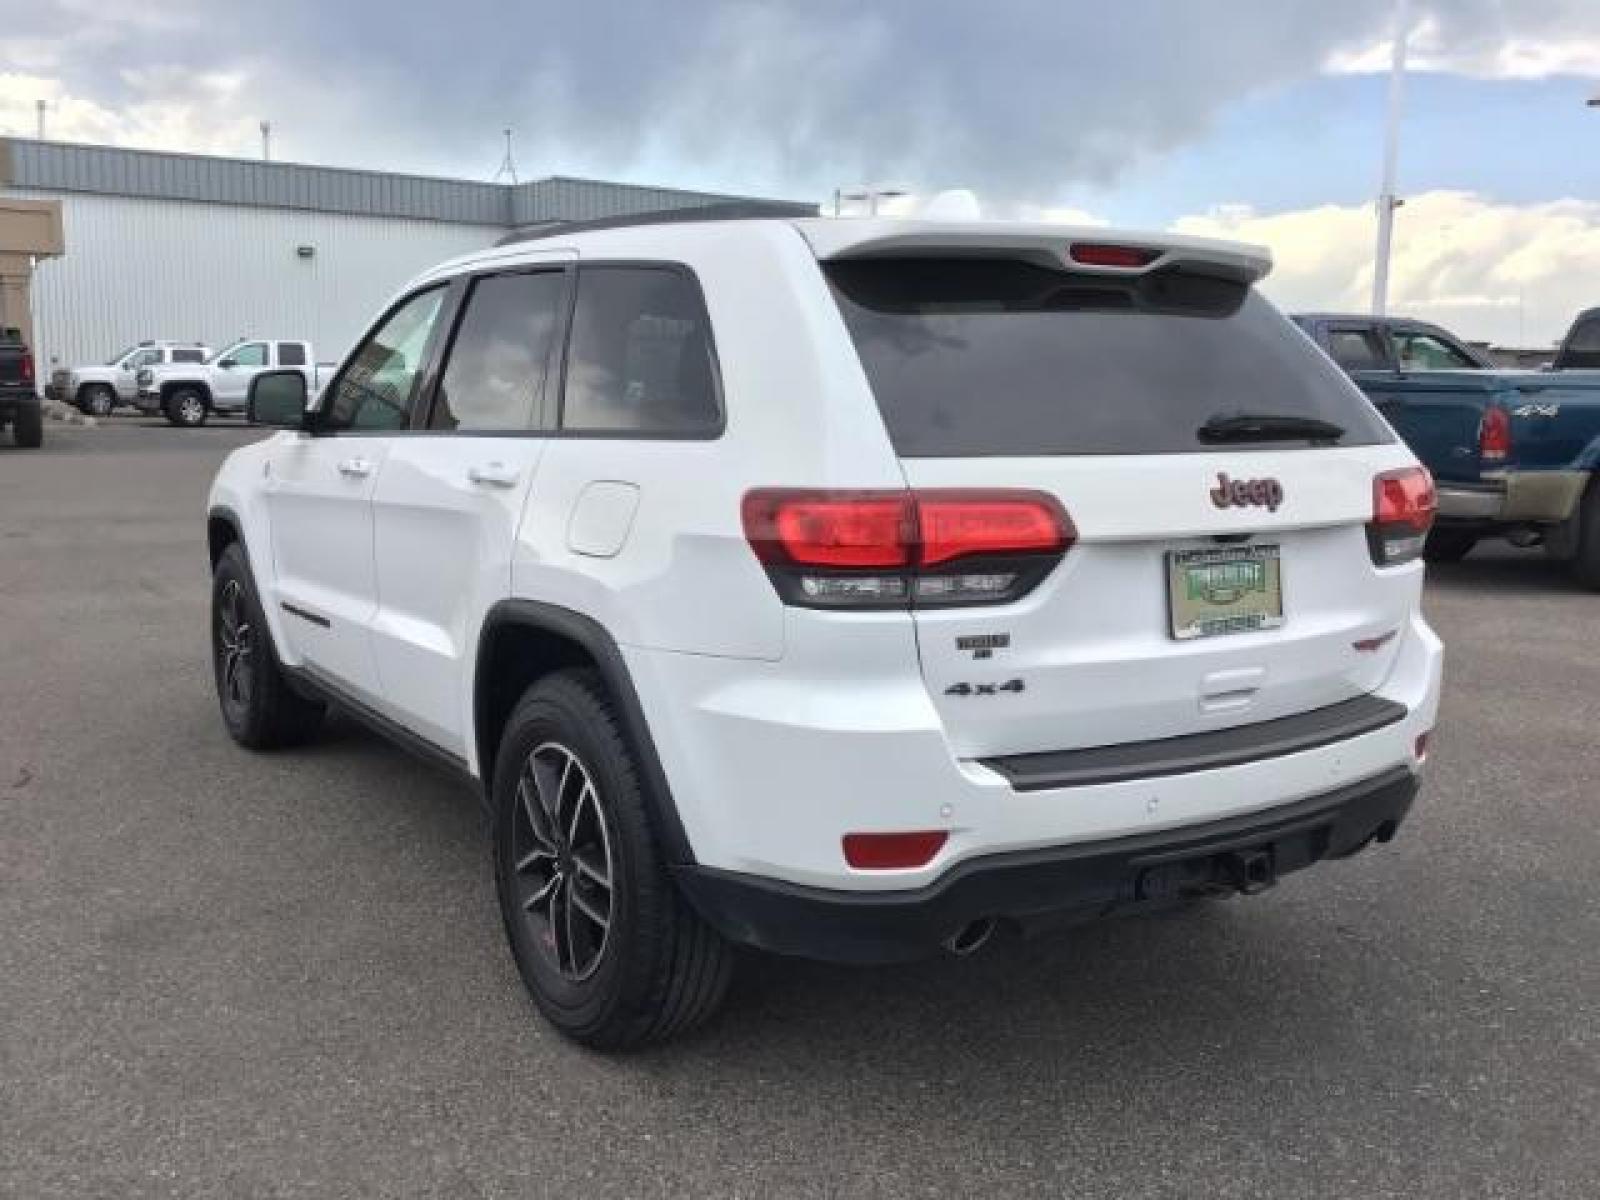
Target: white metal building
{"x":193,"y":247}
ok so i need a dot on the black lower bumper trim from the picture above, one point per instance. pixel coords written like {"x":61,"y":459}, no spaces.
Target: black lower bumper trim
{"x":1198,"y":751}
{"x":1057,"y":884}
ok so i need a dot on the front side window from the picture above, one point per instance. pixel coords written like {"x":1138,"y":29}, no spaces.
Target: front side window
{"x":251,"y":354}
{"x":376,"y":388}
{"x":144,"y":358}
{"x":639,"y":359}
{"x":1424,"y":352}
{"x":1356,"y":349}
{"x":494,"y":378}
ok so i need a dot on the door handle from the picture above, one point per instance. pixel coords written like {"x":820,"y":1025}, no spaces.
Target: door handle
{"x":355,"y":468}
{"x":494,"y":474}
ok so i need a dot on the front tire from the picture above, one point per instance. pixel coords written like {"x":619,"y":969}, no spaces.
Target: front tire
{"x":97,"y":401}
{"x":1448,"y":545}
{"x":610,"y":952}
{"x":259,"y":708}
{"x":187,"y":408}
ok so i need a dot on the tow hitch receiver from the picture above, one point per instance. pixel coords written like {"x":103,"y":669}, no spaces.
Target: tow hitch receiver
{"x":1249,"y":871}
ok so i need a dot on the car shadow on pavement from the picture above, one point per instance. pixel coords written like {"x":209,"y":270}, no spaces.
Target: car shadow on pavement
{"x":1511,"y":572}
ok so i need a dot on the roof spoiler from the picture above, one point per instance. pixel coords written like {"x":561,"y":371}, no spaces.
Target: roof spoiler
{"x":1077,"y":248}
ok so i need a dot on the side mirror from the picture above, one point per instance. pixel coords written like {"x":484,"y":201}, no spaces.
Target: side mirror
{"x":228,"y":364}
{"x":278,"y":399}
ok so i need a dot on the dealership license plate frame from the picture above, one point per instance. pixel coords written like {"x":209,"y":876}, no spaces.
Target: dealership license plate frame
{"x":1239,"y":604}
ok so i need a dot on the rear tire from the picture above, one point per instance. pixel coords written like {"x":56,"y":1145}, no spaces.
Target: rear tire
{"x":259,"y":708}
{"x":27,"y":426}
{"x":1448,"y":545}
{"x":1586,"y":562}
{"x":611,"y":953}
{"x":187,"y":408}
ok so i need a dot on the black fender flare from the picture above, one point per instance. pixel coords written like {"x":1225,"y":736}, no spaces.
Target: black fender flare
{"x":593,"y":638}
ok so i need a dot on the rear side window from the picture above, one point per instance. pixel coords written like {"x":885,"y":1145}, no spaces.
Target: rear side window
{"x":979,"y":357}
{"x":291,"y":354}
{"x":1357,"y":350}
{"x":496,"y":371}
{"x":188,"y":356}
{"x":639,"y":359}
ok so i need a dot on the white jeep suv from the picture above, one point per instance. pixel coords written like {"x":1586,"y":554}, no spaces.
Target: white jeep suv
{"x":840,"y":588}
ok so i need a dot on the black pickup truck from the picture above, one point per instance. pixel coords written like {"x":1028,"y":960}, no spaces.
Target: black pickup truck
{"x":19,"y":395}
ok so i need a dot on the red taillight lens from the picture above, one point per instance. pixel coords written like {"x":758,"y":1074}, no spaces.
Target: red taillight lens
{"x":892,"y":851}
{"x":1494,"y":435}
{"x":831,"y":529}
{"x":1421,"y":747}
{"x":1403,"y":504}
{"x":890,"y":549}
{"x":955,"y":524}
{"x":1096,"y":254}
{"x":27,"y":366}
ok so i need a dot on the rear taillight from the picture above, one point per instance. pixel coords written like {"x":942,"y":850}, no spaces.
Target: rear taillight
{"x":900,"y":549}
{"x":1494,"y":435}
{"x":1403,"y":504}
{"x":27,"y":366}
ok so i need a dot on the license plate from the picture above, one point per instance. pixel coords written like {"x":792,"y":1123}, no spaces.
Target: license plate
{"x":1232,"y":589}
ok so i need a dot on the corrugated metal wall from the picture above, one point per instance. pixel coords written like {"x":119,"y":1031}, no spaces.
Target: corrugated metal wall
{"x":112,"y":170}
{"x":139,"y":268}
{"x":563,"y":199}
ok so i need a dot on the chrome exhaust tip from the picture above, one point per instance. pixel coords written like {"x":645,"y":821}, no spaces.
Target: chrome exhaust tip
{"x":969,"y":939}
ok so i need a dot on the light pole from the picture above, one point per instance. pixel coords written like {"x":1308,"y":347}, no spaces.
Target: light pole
{"x":1387,"y":200}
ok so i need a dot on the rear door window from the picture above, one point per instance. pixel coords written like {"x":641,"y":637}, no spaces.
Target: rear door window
{"x":984,"y":357}
{"x":291,"y":354}
{"x":494,"y":378}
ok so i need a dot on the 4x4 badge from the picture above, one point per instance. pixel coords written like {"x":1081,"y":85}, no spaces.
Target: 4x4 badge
{"x":1242,"y":493}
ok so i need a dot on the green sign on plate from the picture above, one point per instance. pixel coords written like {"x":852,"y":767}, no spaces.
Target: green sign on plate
{"x":1232,"y":589}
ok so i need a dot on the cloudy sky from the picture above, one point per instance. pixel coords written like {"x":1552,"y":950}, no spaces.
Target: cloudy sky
{"x":1259,"y":119}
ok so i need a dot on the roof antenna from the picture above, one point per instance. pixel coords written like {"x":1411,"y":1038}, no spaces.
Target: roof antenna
{"x":508,"y":164}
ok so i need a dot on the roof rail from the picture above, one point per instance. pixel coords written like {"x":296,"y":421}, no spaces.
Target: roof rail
{"x":732,"y":210}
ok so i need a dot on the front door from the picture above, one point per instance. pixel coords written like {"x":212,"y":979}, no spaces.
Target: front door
{"x":319,"y":499}
{"x":231,"y":383}
{"x":450,"y":497}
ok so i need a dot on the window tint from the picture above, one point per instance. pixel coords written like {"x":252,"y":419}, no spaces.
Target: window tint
{"x":189,"y":356}
{"x":252,"y":354}
{"x":291,"y":354}
{"x":495,"y":375}
{"x":376,"y":387}
{"x":1586,"y":337}
{"x":144,"y":358}
{"x":639,"y":359}
{"x":1424,"y":352}
{"x":1357,"y":350}
{"x":972,"y":357}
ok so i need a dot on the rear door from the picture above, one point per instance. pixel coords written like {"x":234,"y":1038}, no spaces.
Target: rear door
{"x":451,"y":493}
{"x":1212,"y":582}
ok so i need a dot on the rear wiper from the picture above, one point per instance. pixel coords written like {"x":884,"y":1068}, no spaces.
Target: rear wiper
{"x":1267,"y":427}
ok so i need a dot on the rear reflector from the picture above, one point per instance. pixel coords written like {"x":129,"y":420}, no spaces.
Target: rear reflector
{"x":890,"y":549}
{"x":1403,"y":504}
{"x":1096,"y":254}
{"x":1494,"y":435}
{"x":892,"y":851}
{"x":27,"y":366}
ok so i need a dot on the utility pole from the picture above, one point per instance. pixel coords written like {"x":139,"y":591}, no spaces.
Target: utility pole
{"x":266,"y":141}
{"x":41,"y":106}
{"x":1387,"y":200}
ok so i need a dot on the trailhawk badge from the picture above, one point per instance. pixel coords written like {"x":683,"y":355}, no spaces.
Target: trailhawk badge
{"x":1244,"y":493}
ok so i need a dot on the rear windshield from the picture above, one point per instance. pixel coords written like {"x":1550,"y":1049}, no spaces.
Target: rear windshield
{"x":971,"y":357}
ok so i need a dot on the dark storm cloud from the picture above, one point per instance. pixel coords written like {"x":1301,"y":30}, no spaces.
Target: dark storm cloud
{"x":1017,"y":98}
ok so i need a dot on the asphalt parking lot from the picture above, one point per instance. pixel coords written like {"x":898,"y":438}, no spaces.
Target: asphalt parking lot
{"x":240,"y":976}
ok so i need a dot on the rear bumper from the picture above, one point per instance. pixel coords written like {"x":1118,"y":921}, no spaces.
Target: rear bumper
{"x":1539,"y":497}
{"x":13,"y":399}
{"x":1051,"y":886}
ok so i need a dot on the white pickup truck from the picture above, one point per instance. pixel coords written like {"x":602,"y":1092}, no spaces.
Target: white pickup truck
{"x":189,"y":393}
{"x":98,"y":388}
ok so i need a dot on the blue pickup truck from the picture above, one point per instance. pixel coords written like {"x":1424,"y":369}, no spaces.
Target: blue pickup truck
{"x":1514,"y":454}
